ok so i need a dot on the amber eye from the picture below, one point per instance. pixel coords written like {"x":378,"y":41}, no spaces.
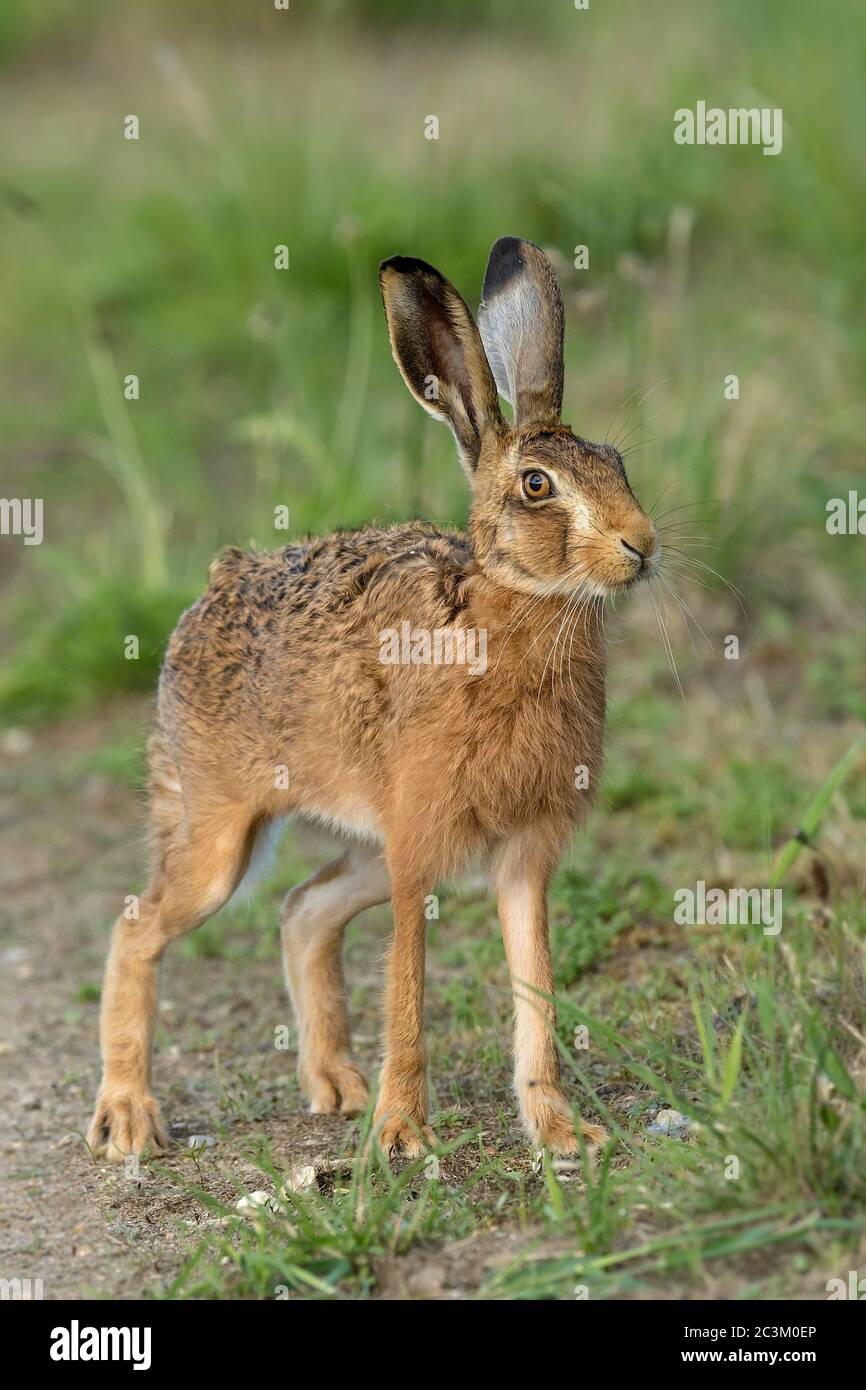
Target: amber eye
{"x":536,"y":484}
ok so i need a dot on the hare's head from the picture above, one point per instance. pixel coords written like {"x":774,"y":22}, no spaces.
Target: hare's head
{"x":551,"y":513}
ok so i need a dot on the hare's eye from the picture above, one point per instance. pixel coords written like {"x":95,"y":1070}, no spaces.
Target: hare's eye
{"x":536,"y":484}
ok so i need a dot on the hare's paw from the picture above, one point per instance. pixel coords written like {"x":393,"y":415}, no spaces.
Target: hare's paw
{"x":400,"y":1135}
{"x":125,"y":1123}
{"x":335,"y":1086}
{"x":550,"y":1123}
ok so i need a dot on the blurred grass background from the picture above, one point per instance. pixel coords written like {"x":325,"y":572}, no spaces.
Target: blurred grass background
{"x":260,"y":387}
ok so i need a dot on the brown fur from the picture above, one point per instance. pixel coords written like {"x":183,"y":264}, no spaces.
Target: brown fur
{"x":274,"y":701}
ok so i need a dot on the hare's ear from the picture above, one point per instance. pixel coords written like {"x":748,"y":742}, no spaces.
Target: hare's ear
{"x":521,"y":321}
{"x":439,"y":352}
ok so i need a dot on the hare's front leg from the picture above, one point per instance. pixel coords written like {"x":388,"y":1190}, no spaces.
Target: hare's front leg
{"x":400,"y":1121}
{"x":521,"y":872}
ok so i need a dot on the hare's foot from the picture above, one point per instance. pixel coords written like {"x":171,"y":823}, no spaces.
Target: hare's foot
{"x":335,"y":1086}
{"x":549,"y":1121}
{"x":402,"y":1136}
{"x":125,"y":1123}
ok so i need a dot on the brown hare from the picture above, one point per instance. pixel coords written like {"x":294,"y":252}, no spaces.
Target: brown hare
{"x":283,"y":693}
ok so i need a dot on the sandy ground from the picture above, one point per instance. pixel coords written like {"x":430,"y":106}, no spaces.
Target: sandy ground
{"x":69,"y":854}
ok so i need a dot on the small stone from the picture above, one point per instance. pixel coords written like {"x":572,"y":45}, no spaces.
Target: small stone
{"x":427,"y":1282}
{"x":201,"y":1141}
{"x":670,"y":1122}
{"x":254,"y":1201}
{"x":17,"y":742}
{"x":301,"y":1179}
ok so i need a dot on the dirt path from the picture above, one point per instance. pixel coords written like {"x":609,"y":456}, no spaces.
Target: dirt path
{"x":71,"y":849}
{"x":61,"y":855}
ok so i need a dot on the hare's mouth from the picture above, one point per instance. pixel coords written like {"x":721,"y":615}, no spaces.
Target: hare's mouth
{"x":630,"y":566}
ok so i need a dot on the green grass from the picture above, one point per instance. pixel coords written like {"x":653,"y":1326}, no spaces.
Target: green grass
{"x":762,"y":1196}
{"x":67,"y":662}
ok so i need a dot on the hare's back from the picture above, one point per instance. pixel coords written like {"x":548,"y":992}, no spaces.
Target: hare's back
{"x":301,"y":599}
{"x":327,"y":574}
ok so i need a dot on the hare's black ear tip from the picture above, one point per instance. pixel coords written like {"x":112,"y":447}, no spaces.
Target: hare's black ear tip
{"x":505,"y":245}
{"x":507,"y":258}
{"x":405,"y":265}
{"x":394,"y":265}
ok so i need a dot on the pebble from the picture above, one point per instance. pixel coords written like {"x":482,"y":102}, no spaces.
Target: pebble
{"x":426,"y":1282}
{"x":17,"y":742}
{"x":301,"y":1179}
{"x":201,"y":1141}
{"x":254,"y":1201}
{"x":670,"y":1122}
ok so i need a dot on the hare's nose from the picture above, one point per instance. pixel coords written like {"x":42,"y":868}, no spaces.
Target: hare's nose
{"x":641,"y":542}
{"x":632,"y":550}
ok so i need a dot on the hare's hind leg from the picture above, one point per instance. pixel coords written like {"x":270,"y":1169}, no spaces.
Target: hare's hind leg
{"x":312,"y":923}
{"x":201,"y":853}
